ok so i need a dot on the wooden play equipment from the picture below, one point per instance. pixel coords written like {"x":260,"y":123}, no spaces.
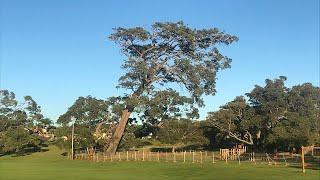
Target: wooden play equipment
{"x":305,"y":150}
{"x":232,"y":154}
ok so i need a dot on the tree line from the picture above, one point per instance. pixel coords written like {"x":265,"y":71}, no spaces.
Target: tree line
{"x":272,"y":118}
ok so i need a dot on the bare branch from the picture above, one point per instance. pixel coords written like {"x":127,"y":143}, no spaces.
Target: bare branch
{"x":230,"y":133}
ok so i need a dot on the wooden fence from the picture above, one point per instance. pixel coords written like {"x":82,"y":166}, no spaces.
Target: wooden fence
{"x":226,"y":156}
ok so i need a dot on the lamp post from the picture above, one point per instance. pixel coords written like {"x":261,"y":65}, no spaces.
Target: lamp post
{"x":72,"y":138}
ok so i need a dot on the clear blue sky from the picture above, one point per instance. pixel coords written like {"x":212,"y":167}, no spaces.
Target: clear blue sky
{"x":57,"y":50}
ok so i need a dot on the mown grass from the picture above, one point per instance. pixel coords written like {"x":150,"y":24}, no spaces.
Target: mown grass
{"x":52,"y":165}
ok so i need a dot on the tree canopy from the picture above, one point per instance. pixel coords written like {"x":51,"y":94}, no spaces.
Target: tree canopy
{"x":168,"y":53}
{"x":273,"y":116}
{"x":20,"y":124}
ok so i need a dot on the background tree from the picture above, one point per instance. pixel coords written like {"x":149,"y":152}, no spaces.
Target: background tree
{"x":275,"y":117}
{"x":168,"y":53}
{"x":237,"y":120}
{"x":181,"y":133}
{"x":90,"y":115}
{"x":19,"y":124}
{"x":301,"y":122}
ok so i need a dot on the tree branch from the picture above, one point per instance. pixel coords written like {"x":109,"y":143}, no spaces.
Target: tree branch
{"x":230,"y":133}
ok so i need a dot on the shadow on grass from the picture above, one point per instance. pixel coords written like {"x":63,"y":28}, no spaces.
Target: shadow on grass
{"x":27,"y":151}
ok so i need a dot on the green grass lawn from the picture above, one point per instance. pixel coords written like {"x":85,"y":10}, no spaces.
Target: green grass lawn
{"x":51,"y":165}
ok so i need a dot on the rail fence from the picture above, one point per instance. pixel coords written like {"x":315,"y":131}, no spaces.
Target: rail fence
{"x":225,"y":156}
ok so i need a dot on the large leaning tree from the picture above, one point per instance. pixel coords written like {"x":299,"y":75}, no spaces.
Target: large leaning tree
{"x":168,"y":53}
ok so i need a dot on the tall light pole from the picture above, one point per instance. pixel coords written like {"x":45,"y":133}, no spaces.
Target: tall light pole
{"x":72,"y":138}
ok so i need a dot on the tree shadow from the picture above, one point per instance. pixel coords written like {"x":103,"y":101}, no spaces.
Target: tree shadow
{"x":27,"y":150}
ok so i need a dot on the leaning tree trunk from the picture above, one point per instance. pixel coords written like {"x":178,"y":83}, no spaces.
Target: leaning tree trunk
{"x":116,"y":137}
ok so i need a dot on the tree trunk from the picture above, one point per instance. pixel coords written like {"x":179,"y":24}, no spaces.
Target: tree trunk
{"x":116,"y":137}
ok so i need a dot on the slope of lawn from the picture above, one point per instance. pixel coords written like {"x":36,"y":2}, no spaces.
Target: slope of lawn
{"x":52,"y":165}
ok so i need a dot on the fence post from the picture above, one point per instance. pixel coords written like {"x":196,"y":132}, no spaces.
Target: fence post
{"x":213,"y":157}
{"x":158,"y":154}
{"x":135,"y":155}
{"x":302,"y":159}
{"x":166,"y":156}
{"x":226,"y":156}
{"x":184,"y":156}
{"x":285,"y":161}
{"x":142,"y":154}
{"x":201,"y":157}
{"x":127,"y":156}
{"x":174,"y":156}
{"x":192,"y":156}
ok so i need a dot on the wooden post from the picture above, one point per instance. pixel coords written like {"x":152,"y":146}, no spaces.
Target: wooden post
{"x":302,"y":159}
{"x":111,"y":158}
{"x":239,"y":158}
{"x":213,"y":157}
{"x":285,"y":161}
{"x":184,"y":156}
{"x":158,"y":156}
{"x":119,"y":153}
{"x":201,"y":157}
{"x":142,"y":154}
{"x":193,"y":157}
{"x":135,"y":155}
{"x":127,"y":156}
{"x":268,"y":158}
{"x":226,"y":156}
{"x":150,"y":155}
{"x":174,"y":156}
{"x":166,"y":156}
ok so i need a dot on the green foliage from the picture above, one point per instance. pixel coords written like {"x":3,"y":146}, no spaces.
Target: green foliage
{"x":171,"y":53}
{"x":166,"y":104}
{"x":19,"y":124}
{"x":130,"y":140}
{"x":17,"y":140}
{"x":275,"y":116}
{"x":181,"y":133}
{"x":83,"y":137}
{"x":85,"y":110}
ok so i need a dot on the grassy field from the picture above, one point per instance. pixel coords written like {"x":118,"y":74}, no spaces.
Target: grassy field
{"x":52,"y":165}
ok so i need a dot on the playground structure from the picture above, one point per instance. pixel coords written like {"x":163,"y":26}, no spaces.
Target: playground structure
{"x":309,"y":150}
{"x":232,"y":154}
